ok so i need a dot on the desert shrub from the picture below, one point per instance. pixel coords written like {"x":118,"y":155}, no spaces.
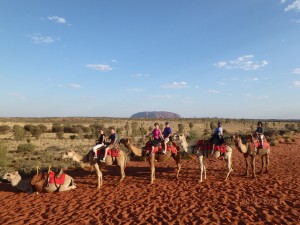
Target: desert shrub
{"x":36,"y":132}
{"x":73,"y":137}
{"x":181,"y":128}
{"x":3,"y":154}
{"x":19,"y":132}
{"x":60,"y":135}
{"x":88,"y":136}
{"x":193,"y":135}
{"x":4,"y":129}
{"x":273,"y":143}
{"x":42,"y":127}
{"x":26,"y":148}
{"x":57,"y":127}
{"x":29,"y":127}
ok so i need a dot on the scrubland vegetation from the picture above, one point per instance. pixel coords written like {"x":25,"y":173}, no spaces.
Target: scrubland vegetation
{"x":26,"y":143}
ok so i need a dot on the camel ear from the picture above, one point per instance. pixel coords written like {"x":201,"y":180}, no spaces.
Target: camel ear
{"x":16,"y":172}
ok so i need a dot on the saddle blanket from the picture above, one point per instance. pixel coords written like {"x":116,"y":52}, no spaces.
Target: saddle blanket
{"x":114,"y":152}
{"x":56,"y":180}
{"x":206,"y":145}
{"x":172,"y":147}
{"x":265,"y":144}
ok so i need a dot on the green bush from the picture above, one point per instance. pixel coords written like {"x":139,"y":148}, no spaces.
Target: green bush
{"x":19,"y":132}
{"x":26,"y":148}
{"x":3,"y":154}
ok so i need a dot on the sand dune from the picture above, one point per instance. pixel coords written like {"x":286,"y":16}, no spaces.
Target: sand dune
{"x":269,"y":199}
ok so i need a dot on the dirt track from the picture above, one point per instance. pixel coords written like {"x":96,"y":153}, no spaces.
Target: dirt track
{"x":270,"y":198}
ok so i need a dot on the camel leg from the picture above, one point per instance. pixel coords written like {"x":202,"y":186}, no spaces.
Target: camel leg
{"x":68,"y":184}
{"x":262,"y":164}
{"x":177,"y":159}
{"x":99,"y":174}
{"x":229,"y":165}
{"x":152,"y":168}
{"x":202,"y":168}
{"x":267,"y":162}
{"x":121,"y":163}
{"x":253,"y":166}
{"x":247,"y":166}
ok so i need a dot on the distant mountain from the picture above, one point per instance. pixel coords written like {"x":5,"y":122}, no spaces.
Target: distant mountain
{"x":155,"y":114}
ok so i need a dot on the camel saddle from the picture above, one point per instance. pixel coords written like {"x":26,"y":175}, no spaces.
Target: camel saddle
{"x":206,"y":145}
{"x":41,"y":180}
{"x":171,"y":147}
{"x":114,"y":152}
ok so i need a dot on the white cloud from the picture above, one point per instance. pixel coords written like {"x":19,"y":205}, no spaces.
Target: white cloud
{"x":296,"y":83}
{"x":139,"y":75}
{"x":114,"y":61}
{"x":99,"y":67}
{"x":75,"y":86}
{"x":294,"y":6}
{"x":153,"y":97}
{"x":296,"y":71}
{"x":243,"y":62}
{"x":214,"y":91}
{"x":39,"y":39}
{"x":17,"y":95}
{"x":57,"y":19}
{"x":221,"y":83}
{"x":282,"y":1}
{"x":175,"y":85}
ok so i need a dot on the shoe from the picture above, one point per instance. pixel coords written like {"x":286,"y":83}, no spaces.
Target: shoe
{"x":102,"y":160}
{"x":164,"y":152}
{"x":95,"y":157}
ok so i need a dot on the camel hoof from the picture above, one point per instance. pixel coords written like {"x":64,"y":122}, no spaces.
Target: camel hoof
{"x":266,"y":172}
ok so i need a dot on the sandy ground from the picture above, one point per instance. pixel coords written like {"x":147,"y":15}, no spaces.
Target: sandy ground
{"x":269,"y":199}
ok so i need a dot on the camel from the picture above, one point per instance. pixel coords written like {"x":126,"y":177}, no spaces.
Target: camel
{"x":50,"y":182}
{"x":172,"y":152}
{"x":88,"y":161}
{"x":201,"y":153}
{"x":26,"y":186}
{"x":250,"y":152}
{"x":16,"y":181}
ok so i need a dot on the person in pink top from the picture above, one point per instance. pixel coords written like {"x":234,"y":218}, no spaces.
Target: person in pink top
{"x":157,"y":137}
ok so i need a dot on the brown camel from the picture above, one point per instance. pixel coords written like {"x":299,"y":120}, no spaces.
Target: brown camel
{"x":88,"y":160}
{"x":250,"y":152}
{"x":157,"y":156}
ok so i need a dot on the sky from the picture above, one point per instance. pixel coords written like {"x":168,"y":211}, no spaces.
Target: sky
{"x":114,"y":58}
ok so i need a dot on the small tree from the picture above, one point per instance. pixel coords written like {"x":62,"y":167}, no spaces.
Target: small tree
{"x":191,"y":125}
{"x":3,"y":154}
{"x":180,"y":128}
{"x":19,"y":132}
{"x":127,"y":128}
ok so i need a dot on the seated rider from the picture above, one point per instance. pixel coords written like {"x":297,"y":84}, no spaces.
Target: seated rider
{"x":157,"y":136}
{"x":99,"y":142}
{"x":217,"y":136}
{"x":166,"y":134}
{"x":113,"y":139}
{"x":260,"y":134}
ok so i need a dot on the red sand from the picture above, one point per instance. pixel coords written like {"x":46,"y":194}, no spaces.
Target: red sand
{"x":269,"y":199}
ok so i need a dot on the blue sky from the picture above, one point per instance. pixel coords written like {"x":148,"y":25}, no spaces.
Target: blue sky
{"x":228,"y":59}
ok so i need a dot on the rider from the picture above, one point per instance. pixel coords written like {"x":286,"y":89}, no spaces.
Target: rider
{"x":113,"y":139}
{"x":217,"y":136}
{"x":260,"y":134}
{"x":166,"y":134}
{"x":157,"y":136}
{"x":99,"y":142}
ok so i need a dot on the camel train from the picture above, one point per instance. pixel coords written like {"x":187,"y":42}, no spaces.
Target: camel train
{"x":175,"y":148}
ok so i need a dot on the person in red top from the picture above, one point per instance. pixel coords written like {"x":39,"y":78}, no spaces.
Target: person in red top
{"x":157,"y":137}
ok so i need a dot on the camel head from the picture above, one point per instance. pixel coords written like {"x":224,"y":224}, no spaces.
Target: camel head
{"x":13,"y":176}
{"x":68,"y":154}
{"x":182,"y":141}
{"x":127,"y":143}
